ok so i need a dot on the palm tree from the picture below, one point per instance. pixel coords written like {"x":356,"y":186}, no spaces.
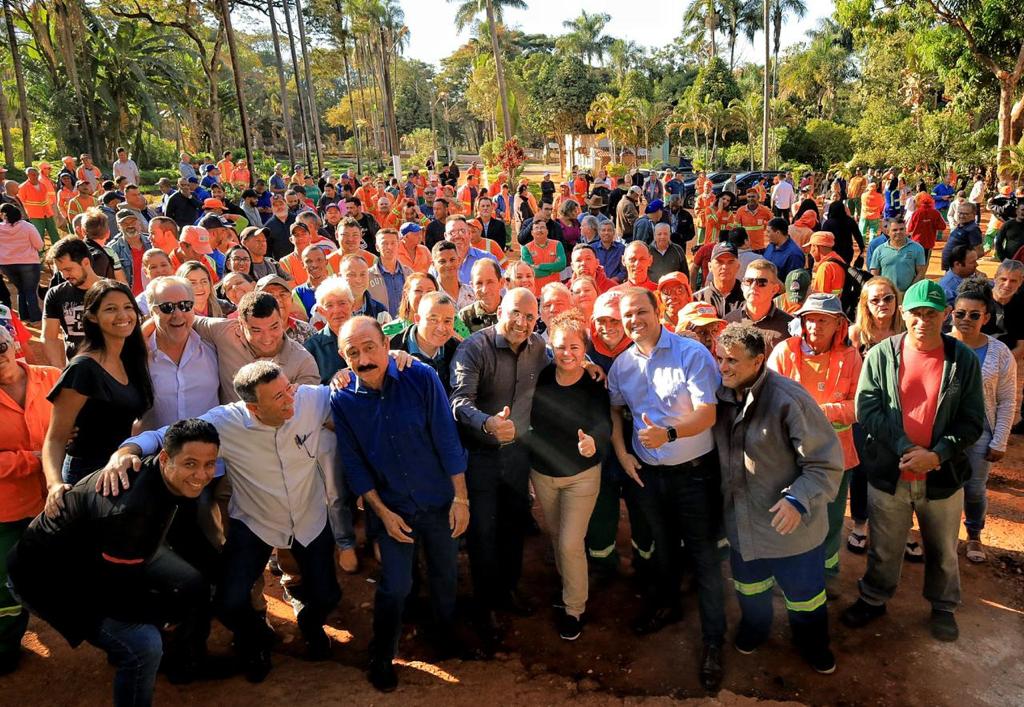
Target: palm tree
{"x":585,"y":38}
{"x":740,"y":17}
{"x":236,"y":72}
{"x":647,"y":117}
{"x":610,"y":114}
{"x":745,"y":113}
{"x":622,"y":54}
{"x":701,"y":22}
{"x":780,"y":9}
{"x":19,"y":78}
{"x":689,"y":115}
{"x":467,"y":12}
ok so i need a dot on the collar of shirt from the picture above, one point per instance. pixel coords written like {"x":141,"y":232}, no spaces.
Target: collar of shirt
{"x":414,"y":348}
{"x":359,"y":388}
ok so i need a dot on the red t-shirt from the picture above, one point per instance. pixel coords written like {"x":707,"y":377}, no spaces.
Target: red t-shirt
{"x":137,"y":271}
{"x":924,"y":225}
{"x":920,"y":382}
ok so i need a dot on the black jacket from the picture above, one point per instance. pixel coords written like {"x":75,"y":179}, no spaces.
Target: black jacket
{"x":442,"y":367}
{"x":183,"y":210}
{"x":90,"y":562}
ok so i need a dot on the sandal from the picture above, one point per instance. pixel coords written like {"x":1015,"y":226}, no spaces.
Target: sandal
{"x":913,"y":552}
{"x":975,"y":551}
{"x":857,"y":543}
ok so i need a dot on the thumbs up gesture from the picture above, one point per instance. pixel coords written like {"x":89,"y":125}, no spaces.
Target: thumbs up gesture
{"x":586,"y":445}
{"x":651,"y":436}
{"x":501,"y":427}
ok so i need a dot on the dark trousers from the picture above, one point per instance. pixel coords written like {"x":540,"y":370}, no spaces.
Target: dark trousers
{"x":781,"y":213}
{"x":498,"y":482}
{"x":802,"y":579}
{"x":431,"y":532}
{"x":245,"y":556}
{"x":26,"y":279}
{"x":684,"y":503}
{"x":604,"y":521}
{"x":859,"y":478}
{"x":13,"y":617}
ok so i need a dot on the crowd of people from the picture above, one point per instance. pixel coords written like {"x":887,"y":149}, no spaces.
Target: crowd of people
{"x":234,"y":378}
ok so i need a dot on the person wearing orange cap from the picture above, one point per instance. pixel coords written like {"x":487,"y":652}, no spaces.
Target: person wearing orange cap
{"x":195,"y":245}
{"x":674,"y":293}
{"x":607,"y":340}
{"x":829,"y":274}
{"x":925,"y":224}
{"x":754,"y":218}
{"x":700,"y":321}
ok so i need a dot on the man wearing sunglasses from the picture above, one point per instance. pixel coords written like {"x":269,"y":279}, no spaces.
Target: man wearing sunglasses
{"x":760,"y":283}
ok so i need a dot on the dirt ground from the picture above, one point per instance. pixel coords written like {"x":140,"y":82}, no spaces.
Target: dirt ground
{"x":892,"y":662}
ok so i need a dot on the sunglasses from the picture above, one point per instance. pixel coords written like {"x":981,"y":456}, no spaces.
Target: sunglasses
{"x":185,"y":306}
{"x":961,"y":314}
{"x":884,"y":299}
{"x":759,"y":281}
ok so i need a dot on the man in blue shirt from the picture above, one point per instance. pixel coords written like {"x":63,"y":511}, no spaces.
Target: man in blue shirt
{"x":669,"y":383}
{"x":943,"y":194}
{"x":782,"y":250}
{"x":402,"y":454}
{"x":900,"y":259}
{"x":456,"y":230}
{"x":610,"y":251}
{"x":963,"y":263}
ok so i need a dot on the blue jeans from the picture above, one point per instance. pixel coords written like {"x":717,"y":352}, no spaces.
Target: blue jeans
{"x":497,"y":479}
{"x":26,"y":279}
{"x":684,"y":502}
{"x":430,"y":530}
{"x":802,"y":579}
{"x":245,"y":556}
{"x":340,"y":501}
{"x":136,"y":650}
{"x":77,"y":468}
{"x":975,"y":496}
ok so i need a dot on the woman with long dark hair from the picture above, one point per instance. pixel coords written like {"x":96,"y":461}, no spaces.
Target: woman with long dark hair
{"x":845,"y":230}
{"x":101,"y":393}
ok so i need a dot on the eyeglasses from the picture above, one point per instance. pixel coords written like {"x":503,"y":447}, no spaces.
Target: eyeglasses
{"x":961,"y":314}
{"x":759,"y":281}
{"x":884,"y":299}
{"x":185,"y":305}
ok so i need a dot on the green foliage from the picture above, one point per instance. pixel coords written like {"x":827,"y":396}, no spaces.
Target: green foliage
{"x":715,"y":83}
{"x":821,"y":143}
{"x":420,"y":142}
{"x":489,"y":151}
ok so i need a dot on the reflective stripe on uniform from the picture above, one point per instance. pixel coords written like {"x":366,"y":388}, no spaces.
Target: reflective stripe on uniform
{"x":603,"y":553}
{"x":749,"y":589}
{"x":838,"y":426}
{"x":831,"y":562}
{"x":810,"y":605}
{"x":644,"y":554}
{"x":13,"y":610}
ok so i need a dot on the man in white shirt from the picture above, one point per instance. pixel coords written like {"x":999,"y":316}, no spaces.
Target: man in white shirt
{"x":782,"y":197}
{"x":124,"y":166}
{"x":269,"y":443}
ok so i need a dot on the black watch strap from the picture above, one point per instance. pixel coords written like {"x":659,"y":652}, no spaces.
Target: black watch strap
{"x":672,"y":434}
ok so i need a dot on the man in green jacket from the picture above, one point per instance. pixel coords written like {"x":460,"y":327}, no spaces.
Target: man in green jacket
{"x":920,"y":400}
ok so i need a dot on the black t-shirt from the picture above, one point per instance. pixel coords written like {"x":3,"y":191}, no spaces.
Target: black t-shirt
{"x":65,"y":303}
{"x":558,"y":413}
{"x":1007,"y":321}
{"x":435,"y":233}
{"x":106,"y":419}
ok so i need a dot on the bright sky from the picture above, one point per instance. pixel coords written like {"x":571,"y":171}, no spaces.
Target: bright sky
{"x":648,"y":23}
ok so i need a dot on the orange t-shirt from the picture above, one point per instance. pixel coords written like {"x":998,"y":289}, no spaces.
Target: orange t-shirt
{"x":420,"y":262}
{"x":227,"y":170}
{"x":829,"y":276}
{"x":292,"y":264}
{"x":920,"y":383}
{"x":334,"y":259}
{"x":755,"y":222}
{"x":35,"y":199}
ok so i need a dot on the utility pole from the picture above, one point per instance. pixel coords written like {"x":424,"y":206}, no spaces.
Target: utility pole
{"x":766,"y":113}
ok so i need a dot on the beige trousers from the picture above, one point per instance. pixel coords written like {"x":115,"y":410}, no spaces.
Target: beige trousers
{"x":567,"y":503}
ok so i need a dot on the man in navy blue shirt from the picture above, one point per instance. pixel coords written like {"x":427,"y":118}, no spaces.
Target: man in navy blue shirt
{"x":401,"y":453}
{"x":782,"y":250}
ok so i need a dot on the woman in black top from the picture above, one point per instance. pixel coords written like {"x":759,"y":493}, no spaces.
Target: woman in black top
{"x":101,"y":393}
{"x":570,"y":428}
{"x":846,"y":231}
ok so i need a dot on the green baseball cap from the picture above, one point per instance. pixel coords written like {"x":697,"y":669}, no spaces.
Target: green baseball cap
{"x":925,"y":293}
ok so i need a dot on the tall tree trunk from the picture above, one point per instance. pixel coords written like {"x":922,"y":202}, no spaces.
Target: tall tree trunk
{"x":19,"y":78}
{"x":386,"y":45}
{"x":351,"y":104}
{"x":5,"y":130}
{"x":314,"y":114}
{"x":279,"y":62}
{"x":777,"y":39}
{"x":236,"y":72}
{"x":499,"y":72}
{"x":67,"y":48}
{"x":766,"y":91}
{"x":298,"y":83}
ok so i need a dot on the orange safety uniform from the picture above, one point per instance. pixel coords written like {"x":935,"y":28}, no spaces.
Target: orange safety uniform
{"x":36,"y":199}
{"x":227,"y":171}
{"x":755,"y":222}
{"x":829,"y":275}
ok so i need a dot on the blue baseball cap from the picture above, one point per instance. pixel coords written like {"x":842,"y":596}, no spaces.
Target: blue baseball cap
{"x":410,"y":227}
{"x":656,"y":205}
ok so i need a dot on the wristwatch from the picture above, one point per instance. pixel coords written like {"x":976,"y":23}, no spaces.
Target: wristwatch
{"x":672,"y":434}
{"x":463,"y":501}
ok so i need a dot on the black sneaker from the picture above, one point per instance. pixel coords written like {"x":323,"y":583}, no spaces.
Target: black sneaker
{"x":711,"y":667}
{"x":943,"y":625}
{"x":822,"y":661}
{"x":257,"y":666}
{"x":318,"y":645}
{"x":860,"y":614}
{"x":382,"y":676}
{"x":569,"y":627}
{"x":746,"y":643}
